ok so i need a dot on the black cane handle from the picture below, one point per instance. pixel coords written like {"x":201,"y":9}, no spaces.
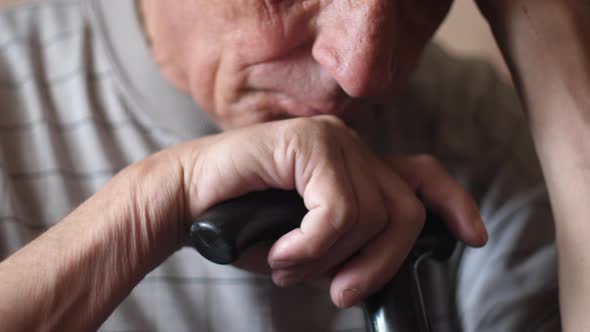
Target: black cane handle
{"x":223,"y":232}
{"x":227,"y":229}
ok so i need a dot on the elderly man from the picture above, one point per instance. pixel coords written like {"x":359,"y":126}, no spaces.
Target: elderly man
{"x":122,"y":121}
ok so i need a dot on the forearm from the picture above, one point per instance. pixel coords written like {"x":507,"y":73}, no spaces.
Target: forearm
{"x":66,"y":280}
{"x":74,"y":275}
{"x":547,"y":45}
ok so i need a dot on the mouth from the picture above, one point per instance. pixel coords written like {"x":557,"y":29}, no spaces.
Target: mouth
{"x":258,"y":106}
{"x":299,"y":89}
{"x":295,"y":107}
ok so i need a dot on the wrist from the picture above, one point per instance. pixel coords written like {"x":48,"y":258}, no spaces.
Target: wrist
{"x":96,"y":254}
{"x":148,"y":204}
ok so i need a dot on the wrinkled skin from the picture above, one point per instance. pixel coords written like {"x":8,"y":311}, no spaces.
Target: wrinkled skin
{"x":251,"y":61}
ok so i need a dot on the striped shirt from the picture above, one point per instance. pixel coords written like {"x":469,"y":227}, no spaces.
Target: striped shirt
{"x":81,"y":98}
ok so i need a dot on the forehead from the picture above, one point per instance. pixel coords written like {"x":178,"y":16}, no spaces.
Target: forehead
{"x":299,"y":16}
{"x":267,"y":11}
{"x":271,"y":10}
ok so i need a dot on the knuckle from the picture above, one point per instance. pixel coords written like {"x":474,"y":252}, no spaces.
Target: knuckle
{"x":379,"y":220}
{"x":331,"y":120}
{"x":374,"y":217}
{"x":343,"y":217}
{"x":293,"y":135}
{"x":411,"y":210}
{"x":323,"y":130}
{"x":292,"y":142}
{"x":293,"y":127}
{"x":304,"y":130}
{"x":330,"y":127}
{"x":338,"y":218}
{"x":315,"y":249}
{"x":428,"y":162}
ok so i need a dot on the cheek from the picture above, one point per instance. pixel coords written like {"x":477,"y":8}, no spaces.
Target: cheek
{"x":219,"y":70}
{"x":187,"y":40}
{"x":173,"y":25}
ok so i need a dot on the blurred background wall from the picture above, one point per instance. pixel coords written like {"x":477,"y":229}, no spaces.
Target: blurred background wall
{"x":8,"y":2}
{"x":464,"y":33}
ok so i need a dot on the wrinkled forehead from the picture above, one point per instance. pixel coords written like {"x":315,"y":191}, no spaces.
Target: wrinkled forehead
{"x":291,"y":14}
{"x":269,"y":11}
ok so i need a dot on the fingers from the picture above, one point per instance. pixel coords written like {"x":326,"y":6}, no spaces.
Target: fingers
{"x":332,"y":206}
{"x":378,"y":261}
{"x":364,"y":213}
{"x":444,"y":196}
{"x":337,"y":223}
{"x":378,"y":256}
{"x":253,"y":259}
{"x":371,"y":269}
{"x":380,"y":253}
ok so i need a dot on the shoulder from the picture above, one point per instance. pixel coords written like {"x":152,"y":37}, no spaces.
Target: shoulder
{"x":40,"y":19}
{"x":42,"y":41}
{"x":45,"y":47}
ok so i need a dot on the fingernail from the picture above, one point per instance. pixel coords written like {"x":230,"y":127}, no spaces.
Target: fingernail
{"x":349,"y":297}
{"x":481,"y":230}
{"x":286,"y":279}
{"x":277,"y":265}
{"x":281,"y":251}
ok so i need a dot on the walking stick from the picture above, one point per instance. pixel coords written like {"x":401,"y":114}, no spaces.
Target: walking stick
{"x":227,"y":229}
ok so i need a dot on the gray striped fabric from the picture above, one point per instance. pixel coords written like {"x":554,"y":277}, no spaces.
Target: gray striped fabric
{"x":80,"y":98}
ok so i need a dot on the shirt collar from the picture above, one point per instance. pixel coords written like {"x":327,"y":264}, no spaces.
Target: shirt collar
{"x":119,"y":25}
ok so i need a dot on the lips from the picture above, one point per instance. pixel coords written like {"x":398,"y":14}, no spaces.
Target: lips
{"x":296,"y":107}
{"x":300,"y":87}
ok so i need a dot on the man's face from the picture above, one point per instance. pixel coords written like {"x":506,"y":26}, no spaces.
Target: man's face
{"x":249,"y":61}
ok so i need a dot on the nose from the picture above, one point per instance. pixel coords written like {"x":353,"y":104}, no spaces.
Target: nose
{"x":354,"y":43}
